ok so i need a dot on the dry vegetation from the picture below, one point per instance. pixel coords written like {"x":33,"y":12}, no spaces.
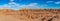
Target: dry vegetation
{"x":32,"y":14}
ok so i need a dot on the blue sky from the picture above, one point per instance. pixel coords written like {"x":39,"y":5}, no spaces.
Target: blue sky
{"x":17,"y":4}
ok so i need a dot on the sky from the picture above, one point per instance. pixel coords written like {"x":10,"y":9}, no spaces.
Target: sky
{"x":18,"y":4}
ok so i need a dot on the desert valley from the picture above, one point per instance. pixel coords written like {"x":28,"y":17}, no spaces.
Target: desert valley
{"x":30,"y":15}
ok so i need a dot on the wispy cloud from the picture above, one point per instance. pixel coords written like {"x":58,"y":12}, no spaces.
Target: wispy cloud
{"x":55,"y":2}
{"x":50,"y":1}
{"x":11,"y":0}
{"x":15,"y":6}
{"x":31,"y":5}
{"x":58,"y":2}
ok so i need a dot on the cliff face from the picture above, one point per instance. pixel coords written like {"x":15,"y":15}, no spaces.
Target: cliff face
{"x":33,"y":14}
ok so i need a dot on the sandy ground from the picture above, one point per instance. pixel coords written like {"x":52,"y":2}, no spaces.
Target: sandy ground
{"x":8,"y":18}
{"x":11,"y":18}
{"x":55,"y":19}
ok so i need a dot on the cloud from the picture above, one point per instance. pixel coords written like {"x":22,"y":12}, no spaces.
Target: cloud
{"x":16,"y":6}
{"x":58,"y":2}
{"x":11,"y":0}
{"x":50,"y":1}
{"x":5,"y":6}
{"x":31,"y":5}
{"x":13,"y":3}
{"x":53,"y":2}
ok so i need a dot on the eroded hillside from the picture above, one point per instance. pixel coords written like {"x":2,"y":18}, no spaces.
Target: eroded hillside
{"x":31,"y":14}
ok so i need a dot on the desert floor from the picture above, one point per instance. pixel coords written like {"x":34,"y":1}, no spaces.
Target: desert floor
{"x":11,"y":18}
{"x":8,"y":18}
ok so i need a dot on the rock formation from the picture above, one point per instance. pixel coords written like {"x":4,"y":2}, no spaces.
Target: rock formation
{"x":33,"y":14}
